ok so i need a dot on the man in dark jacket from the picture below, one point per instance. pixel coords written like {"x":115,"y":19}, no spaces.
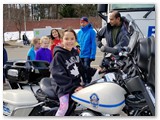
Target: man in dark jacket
{"x":115,"y":32}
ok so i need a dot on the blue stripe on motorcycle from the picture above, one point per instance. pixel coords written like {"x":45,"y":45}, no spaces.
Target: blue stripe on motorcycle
{"x":115,"y":105}
{"x":80,"y":99}
{"x":100,"y":105}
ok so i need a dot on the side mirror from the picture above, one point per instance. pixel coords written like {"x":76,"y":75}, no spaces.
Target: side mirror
{"x":102,"y":8}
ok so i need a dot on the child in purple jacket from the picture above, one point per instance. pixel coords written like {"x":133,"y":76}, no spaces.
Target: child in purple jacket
{"x":44,"y":53}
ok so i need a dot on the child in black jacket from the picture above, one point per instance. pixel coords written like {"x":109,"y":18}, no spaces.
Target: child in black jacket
{"x":66,"y":70}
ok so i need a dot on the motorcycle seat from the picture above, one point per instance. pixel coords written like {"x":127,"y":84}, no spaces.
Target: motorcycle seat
{"x":47,"y":88}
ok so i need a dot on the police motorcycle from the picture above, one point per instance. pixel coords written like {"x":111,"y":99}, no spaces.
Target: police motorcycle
{"x":128,"y":86}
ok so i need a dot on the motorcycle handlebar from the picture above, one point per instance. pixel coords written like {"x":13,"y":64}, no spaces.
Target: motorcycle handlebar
{"x":109,"y":50}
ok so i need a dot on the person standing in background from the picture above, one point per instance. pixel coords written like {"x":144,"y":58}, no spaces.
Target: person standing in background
{"x":55,"y":39}
{"x":25,"y":39}
{"x":86,"y":38}
{"x":35,"y":45}
{"x":44,"y":53}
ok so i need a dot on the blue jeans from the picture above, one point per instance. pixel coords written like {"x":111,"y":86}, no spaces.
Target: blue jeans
{"x":86,"y":63}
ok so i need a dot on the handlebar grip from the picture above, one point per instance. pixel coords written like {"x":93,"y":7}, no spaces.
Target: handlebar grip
{"x":109,"y":50}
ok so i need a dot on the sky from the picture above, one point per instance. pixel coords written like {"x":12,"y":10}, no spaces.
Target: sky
{"x":87,"y":2}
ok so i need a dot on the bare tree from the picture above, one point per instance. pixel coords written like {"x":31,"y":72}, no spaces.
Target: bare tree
{"x":6,"y":19}
{"x":17,"y":17}
{"x":32,"y":10}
